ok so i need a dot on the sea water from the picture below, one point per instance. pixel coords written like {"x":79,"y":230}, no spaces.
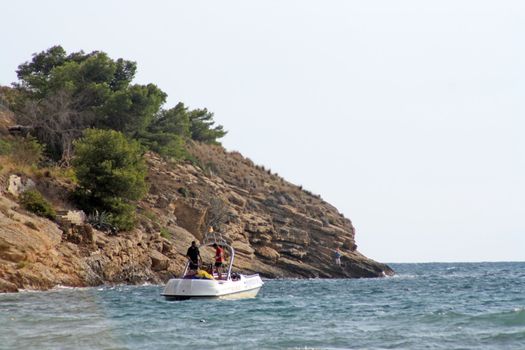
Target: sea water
{"x":425,"y":306}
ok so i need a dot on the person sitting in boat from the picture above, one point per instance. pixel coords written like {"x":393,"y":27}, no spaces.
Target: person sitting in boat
{"x":219,"y":259}
{"x":194,"y":256}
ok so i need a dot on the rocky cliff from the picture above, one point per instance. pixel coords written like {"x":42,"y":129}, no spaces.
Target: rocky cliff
{"x":277,"y":229}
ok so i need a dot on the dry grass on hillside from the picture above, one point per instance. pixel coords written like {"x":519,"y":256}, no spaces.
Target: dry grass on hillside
{"x":239,"y":171}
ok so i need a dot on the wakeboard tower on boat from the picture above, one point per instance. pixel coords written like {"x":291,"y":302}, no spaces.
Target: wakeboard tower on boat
{"x":199,"y":284}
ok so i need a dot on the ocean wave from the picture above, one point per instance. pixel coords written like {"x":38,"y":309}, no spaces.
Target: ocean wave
{"x":62,"y":287}
{"x":512,"y":318}
{"x":505,"y":337}
{"x":447,"y":317}
{"x":515,"y":317}
{"x":403,"y":276}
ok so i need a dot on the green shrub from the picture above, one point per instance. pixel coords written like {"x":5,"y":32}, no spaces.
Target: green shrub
{"x":5,"y":147}
{"x":111,"y":173}
{"x":33,"y":201}
{"x":101,"y":221}
{"x":22,"y":150}
{"x":165,"y":233}
{"x":152,"y":216}
{"x":123,"y":213}
{"x":26,"y":151}
{"x":68,"y":174}
{"x":169,"y":146}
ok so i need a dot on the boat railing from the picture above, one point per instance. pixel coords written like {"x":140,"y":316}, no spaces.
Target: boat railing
{"x":210,"y":243}
{"x":215,"y":237}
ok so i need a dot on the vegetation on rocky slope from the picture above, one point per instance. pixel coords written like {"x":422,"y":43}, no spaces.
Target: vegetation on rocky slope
{"x":88,"y":138}
{"x":60,"y":97}
{"x":111,"y":175}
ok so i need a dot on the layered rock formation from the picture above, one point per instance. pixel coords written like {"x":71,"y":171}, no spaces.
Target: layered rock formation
{"x":277,"y":228}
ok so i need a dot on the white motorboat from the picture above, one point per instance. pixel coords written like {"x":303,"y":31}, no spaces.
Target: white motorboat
{"x":229,"y":286}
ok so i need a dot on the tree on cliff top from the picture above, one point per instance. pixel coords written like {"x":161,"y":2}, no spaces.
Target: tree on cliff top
{"x":111,"y":173}
{"x":60,"y":95}
{"x":170,"y":129}
{"x":52,"y":70}
{"x":202,"y":129}
{"x":98,"y":84}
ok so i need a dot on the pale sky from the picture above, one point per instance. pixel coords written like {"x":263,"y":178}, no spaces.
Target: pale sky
{"x":408,"y":116}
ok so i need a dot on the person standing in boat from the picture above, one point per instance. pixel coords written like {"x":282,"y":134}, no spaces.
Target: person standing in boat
{"x":194,"y":256}
{"x":219,"y":259}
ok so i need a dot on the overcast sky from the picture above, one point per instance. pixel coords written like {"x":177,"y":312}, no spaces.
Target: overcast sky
{"x":408,"y":116}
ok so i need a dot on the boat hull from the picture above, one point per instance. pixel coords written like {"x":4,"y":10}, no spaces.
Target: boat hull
{"x":182,"y":289}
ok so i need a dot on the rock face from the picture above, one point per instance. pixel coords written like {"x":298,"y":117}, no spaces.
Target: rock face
{"x":277,"y":229}
{"x":17,"y":185}
{"x":38,"y":254}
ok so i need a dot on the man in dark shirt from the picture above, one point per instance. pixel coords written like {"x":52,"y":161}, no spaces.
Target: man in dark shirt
{"x":219,"y":259}
{"x":193,"y":255}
